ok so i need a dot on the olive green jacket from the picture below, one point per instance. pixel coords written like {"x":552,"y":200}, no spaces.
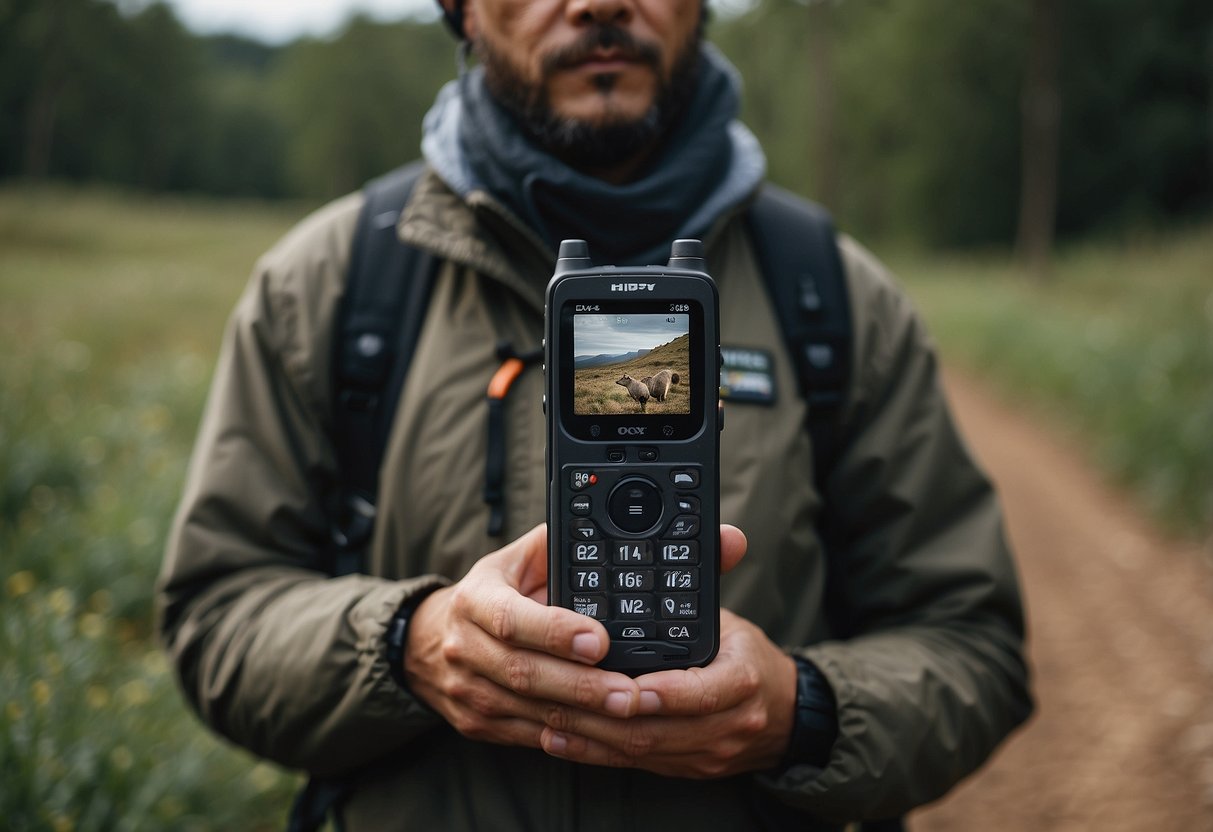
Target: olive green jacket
{"x":290,"y":664}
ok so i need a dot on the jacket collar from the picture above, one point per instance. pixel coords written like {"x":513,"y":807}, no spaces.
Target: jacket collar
{"x":481,"y":234}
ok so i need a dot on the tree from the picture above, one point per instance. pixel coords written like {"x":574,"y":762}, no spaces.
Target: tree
{"x":1041,"y":106}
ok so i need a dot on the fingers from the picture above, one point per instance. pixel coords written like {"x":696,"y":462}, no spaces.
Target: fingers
{"x":521,"y":622}
{"x":733,"y":547}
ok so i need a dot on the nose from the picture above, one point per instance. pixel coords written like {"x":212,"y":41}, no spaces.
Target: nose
{"x":585,"y":12}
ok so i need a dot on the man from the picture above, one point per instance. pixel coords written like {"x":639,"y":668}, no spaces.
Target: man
{"x":606,"y":120}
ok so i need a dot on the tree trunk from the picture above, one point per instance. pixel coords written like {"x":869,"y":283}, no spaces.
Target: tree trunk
{"x":824,"y":126}
{"x":1041,"y":138}
{"x":43,"y":108}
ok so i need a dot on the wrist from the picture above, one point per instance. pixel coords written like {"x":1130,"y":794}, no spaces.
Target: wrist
{"x":396,"y":637}
{"x":815,"y":721}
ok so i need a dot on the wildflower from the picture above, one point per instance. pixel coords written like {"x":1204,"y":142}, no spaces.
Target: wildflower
{"x":97,"y":697}
{"x":20,"y":583}
{"x":92,"y":625}
{"x":14,"y":711}
{"x":135,"y":693}
{"x":61,"y":601}
{"x":41,"y":693}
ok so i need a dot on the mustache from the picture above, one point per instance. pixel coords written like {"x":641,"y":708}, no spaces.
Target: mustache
{"x":603,"y":36}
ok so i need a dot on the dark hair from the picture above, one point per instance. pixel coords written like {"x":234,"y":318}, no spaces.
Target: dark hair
{"x":453,"y":17}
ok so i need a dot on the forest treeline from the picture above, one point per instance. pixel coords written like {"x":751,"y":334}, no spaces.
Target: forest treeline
{"x":926,"y":120}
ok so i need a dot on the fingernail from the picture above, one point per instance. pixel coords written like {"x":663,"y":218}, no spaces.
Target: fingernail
{"x":650,"y":702}
{"x":585,"y":645}
{"x":557,"y":743}
{"x":618,"y":702}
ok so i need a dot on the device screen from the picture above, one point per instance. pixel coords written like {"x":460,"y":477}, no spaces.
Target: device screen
{"x":632,"y":364}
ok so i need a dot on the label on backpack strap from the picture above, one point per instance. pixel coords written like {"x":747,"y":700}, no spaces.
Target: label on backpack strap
{"x":747,"y":375}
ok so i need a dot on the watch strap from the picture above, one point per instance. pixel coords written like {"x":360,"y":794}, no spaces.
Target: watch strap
{"x":816,"y":720}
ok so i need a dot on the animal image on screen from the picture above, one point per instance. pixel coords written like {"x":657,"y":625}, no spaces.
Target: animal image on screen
{"x":627,"y":364}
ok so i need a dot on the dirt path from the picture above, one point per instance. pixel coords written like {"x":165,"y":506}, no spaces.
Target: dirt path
{"x":1121,"y":644}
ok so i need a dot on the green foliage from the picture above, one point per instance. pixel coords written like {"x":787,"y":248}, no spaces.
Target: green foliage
{"x":110,"y":314}
{"x":93,"y":733}
{"x":372,"y":86}
{"x":1137,"y":112}
{"x":1125,"y":361}
{"x":927,"y":122}
{"x":905,"y":117}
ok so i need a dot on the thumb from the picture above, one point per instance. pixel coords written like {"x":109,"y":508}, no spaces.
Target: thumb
{"x":529,"y":554}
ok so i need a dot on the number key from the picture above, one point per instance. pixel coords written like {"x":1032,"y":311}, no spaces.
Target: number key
{"x":634,"y":580}
{"x":583,"y":580}
{"x":679,"y":552}
{"x":675,"y":579}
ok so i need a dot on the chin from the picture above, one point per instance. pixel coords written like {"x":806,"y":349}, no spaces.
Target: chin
{"x":606,"y":100}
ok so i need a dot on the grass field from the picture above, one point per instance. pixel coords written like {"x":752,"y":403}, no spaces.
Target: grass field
{"x":596,"y":389}
{"x":1116,"y":348}
{"x":111,"y":312}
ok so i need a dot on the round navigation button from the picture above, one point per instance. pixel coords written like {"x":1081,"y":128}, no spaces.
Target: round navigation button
{"x":635,"y":505}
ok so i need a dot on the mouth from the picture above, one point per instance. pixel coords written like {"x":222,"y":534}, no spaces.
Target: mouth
{"x":605,"y":51}
{"x":602,"y":63}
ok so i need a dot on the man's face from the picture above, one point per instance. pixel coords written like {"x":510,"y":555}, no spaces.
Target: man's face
{"x":593,"y":80}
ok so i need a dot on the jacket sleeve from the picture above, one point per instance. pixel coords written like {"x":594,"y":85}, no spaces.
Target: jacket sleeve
{"x":271,"y":653}
{"x":932,"y":676}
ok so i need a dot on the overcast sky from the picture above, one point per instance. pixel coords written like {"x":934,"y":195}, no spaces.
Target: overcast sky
{"x":277,"y":21}
{"x":609,"y":335}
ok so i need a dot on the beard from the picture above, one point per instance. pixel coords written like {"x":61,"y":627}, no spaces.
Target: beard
{"x":614,"y":138}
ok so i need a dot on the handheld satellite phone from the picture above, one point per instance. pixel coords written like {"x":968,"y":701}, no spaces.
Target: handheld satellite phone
{"x":632,"y":375}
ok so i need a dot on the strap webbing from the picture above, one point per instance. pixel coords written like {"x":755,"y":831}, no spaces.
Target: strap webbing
{"x":379,"y":320}
{"x":797,"y":250}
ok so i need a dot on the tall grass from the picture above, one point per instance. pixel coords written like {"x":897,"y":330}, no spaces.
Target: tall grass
{"x":1117,"y":347}
{"x":111,"y":310}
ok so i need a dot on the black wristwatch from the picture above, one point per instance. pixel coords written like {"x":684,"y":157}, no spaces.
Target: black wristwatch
{"x":397,"y":635}
{"x":816,"y":724}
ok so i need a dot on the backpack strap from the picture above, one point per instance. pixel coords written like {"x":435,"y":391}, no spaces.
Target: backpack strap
{"x":797,"y":249}
{"x":378,"y":322}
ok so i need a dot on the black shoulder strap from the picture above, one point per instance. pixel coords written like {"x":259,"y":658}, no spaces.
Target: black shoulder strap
{"x":797,"y":249}
{"x":378,"y":321}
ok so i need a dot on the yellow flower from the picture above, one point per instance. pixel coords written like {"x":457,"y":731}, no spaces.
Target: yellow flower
{"x":41,"y":692}
{"x":20,"y":583}
{"x":61,"y":601}
{"x":14,"y":711}
{"x":92,"y":625}
{"x":97,"y":697}
{"x":135,"y":693}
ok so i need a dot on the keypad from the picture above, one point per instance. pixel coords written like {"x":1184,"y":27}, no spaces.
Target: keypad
{"x":633,"y":546}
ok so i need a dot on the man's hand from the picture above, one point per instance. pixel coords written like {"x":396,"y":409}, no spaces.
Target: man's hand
{"x":733,"y":716}
{"x":495,"y":661}
{"x":491,"y":657}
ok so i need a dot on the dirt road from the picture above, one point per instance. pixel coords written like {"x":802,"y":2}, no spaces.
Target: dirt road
{"x":1121,"y":644}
